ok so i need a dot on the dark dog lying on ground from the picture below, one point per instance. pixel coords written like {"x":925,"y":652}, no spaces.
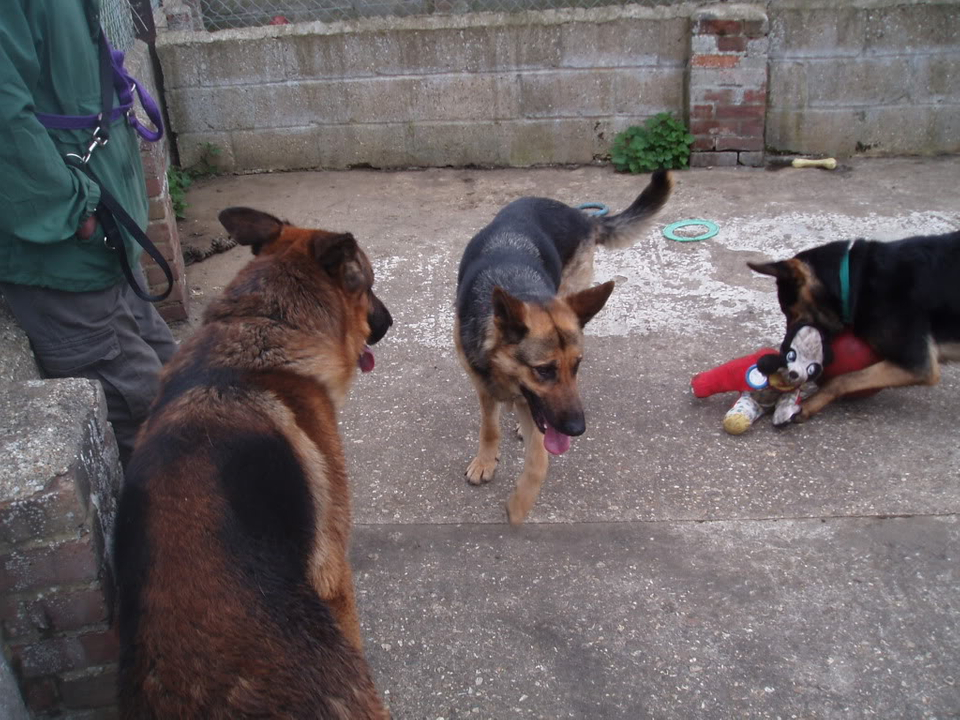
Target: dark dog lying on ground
{"x":520,"y":312}
{"x":236,"y":597}
{"x":902,"y":298}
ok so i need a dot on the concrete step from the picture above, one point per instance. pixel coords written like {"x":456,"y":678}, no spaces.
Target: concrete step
{"x":801,"y":618}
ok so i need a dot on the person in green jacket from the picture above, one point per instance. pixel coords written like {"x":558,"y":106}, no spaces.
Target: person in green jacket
{"x":65,"y":287}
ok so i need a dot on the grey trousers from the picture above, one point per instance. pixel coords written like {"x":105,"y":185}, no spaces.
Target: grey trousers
{"x":107,"y":335}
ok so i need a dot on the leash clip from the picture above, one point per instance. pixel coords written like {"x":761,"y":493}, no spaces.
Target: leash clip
{"x":100,"y":136}
{"x":98,"y":140}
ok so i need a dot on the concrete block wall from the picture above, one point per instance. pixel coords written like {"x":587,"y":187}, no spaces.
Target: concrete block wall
{"x":485,"y":89}
{"x":17,"y":362}
{"x":880,"y":76}
{"x":162,"y":222}
{"x":58,"y":490}
{"x":871,"y":77}
{"x":11,"y":702}
{"x":242,"y":13}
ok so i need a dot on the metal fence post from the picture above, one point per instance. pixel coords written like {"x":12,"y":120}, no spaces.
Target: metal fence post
{"x":142,"y":11}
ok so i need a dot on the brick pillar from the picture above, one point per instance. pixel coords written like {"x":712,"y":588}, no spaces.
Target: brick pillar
{"x":58,"y":492}
{"x":728,"y":84}
{"x":162,"y":230}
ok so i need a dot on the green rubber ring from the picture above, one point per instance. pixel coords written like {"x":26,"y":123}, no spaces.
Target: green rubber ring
{"x":712,"y":229}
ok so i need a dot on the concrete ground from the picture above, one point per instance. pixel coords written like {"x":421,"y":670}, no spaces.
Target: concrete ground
{"x":669,"y":570}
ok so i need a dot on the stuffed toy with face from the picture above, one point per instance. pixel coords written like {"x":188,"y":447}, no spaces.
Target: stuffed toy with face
{"x":770,"y":381}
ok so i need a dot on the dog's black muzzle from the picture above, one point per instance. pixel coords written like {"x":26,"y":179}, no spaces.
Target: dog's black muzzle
{"x":379,"y":320}
{"x":569,"y":422}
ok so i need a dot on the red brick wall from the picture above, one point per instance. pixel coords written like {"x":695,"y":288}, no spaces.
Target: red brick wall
{"x":728,"y":85}
{"x":162,"y":230}
{"x":54,"y":611}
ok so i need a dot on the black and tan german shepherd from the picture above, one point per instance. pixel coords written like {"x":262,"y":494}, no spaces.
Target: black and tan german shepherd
{"x":902,"y":297}
{"x":236,"y":597}
{"x":523,"y":299}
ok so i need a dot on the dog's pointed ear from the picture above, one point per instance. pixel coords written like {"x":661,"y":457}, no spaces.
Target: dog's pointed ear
{"x":779,"y":269}
{"x":250,"y":227}
{"x":587,"y":303}
{"x":339,"y":255}
{"x":510,"y":316}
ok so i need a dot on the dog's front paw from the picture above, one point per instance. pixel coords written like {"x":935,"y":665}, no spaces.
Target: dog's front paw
{"x":784,"y":417}
{"x":516,"y":511}
{"x":802,"y":416}
{"x":481,"y":470}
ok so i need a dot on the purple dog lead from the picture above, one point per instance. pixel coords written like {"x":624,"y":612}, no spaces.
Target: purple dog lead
{"x":125,"y":85}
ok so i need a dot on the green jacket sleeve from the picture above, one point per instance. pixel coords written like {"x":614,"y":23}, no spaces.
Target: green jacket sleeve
{"x":44,"y":199}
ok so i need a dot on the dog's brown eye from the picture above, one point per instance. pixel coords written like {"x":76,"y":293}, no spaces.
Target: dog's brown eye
{"x":576,"y":365}
{"x":546,"y":372}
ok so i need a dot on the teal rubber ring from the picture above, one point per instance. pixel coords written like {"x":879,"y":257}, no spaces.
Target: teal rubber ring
{"x":600,"y":208}
{"x":712,"y":229}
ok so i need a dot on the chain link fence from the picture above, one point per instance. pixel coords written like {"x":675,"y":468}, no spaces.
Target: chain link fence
{"x":222,"y":14}
{"x":117,"y":21}
{"x":116,"y":16}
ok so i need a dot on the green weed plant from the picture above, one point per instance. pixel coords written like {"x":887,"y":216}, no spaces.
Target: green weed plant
{"x":663,"y":142}
{"x":179,"y":179}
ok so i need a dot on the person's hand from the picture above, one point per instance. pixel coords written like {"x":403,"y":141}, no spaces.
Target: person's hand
{"x":87,"y":227}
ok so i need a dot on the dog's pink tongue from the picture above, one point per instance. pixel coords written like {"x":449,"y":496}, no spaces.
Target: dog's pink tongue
{"x":555,"y":441}
{"x":366,"y":361}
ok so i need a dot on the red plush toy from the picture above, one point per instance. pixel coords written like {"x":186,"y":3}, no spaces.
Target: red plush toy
{"x":850,"y":353}
{"x":768,"y":380}
{"x":740,"y":374}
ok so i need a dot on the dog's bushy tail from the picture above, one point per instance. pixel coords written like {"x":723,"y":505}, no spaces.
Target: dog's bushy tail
{"x":623,"y":230}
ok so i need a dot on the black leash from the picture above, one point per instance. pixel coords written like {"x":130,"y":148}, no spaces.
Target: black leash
{"x":109,"y":211}
{"x":111,"y":215}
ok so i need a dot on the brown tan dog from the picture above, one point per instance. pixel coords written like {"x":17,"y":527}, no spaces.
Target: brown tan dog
{"x":236,"y":596}
{"x":521,"y":310}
